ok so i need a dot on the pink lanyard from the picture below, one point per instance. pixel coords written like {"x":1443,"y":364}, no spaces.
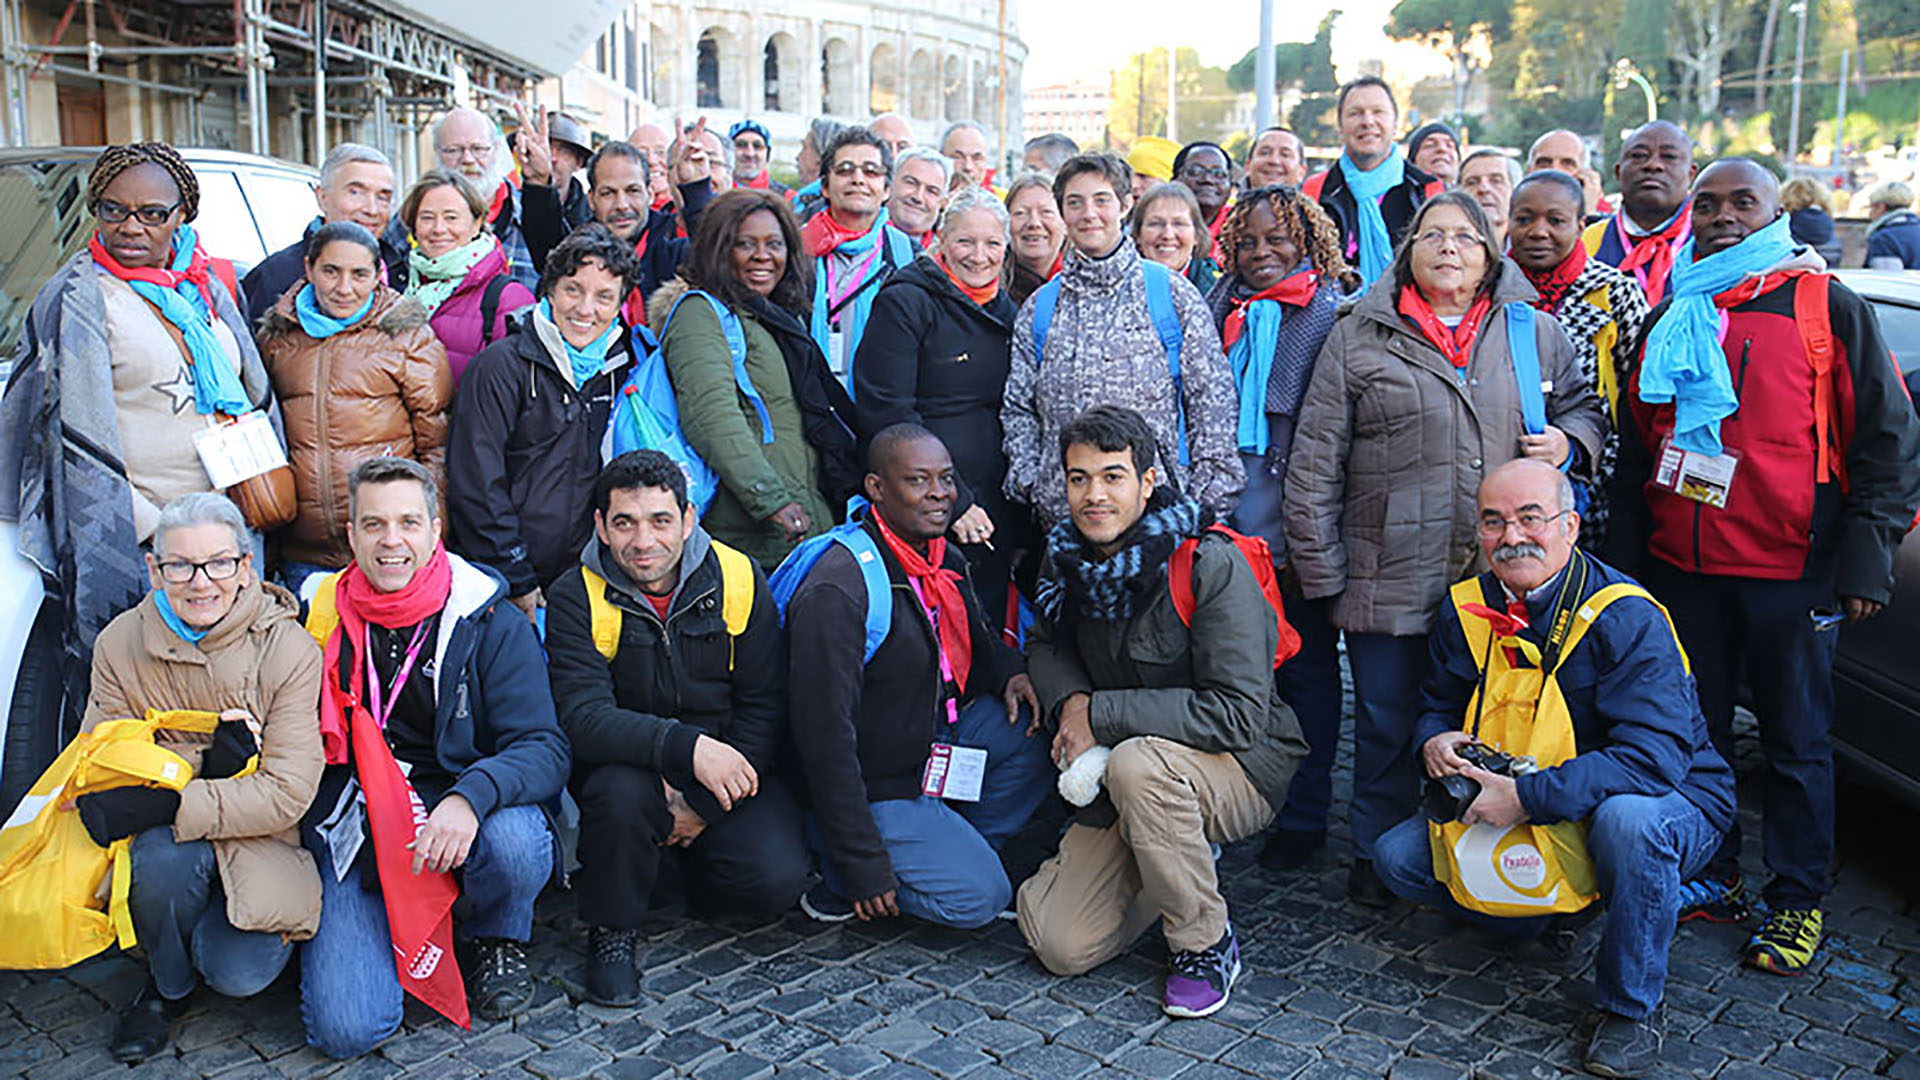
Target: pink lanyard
{"x":946,"y":666}
{"x":859,"y":275}
{"x":374,"y":696}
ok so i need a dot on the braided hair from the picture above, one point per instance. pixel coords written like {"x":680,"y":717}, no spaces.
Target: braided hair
{"x":115,"y":160}
{"x":1304,"y":222}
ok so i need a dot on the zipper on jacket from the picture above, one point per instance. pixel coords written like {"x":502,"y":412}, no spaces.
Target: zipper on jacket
{"x":666,"y":634}
{"x":323,"y":472}
{"x":1740,"y":381}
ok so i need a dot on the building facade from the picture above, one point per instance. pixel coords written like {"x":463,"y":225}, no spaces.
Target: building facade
{"x":1077,"y":110}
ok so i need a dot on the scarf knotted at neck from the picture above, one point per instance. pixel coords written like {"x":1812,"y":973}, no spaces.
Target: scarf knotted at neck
{"x":1683,"y":361}
{"x":1106,"y":588}
{"x":939,"y":590}
{"x":1252,"y":338}
{"x":824,"y":236}
{"x":1650,"y":258}
{"x":1553,"y":285}
{"x":431,"y":280}
{"x":586,"y":361}
{"x":981,"y":294}
{"x":317,"y":323}
{"x":419,"y":906}
{"x":183,"y":291}
{"x":1369,"y":186}
{"x":174,"y":622}
{"x":1456,"y":344}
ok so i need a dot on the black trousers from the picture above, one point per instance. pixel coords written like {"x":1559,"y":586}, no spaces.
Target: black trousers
{"x":752,"y":861}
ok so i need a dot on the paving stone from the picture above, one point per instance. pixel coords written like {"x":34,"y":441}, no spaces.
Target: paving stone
{"x":1391,"y":1026}
{"x":1365,"y":1052}
{"x":780,"y":1042}
{"x":1409,"y":1068}
{"x":1892,"y":1034}
{"x":1334,"y":1070}
{"x":1747,"y":1070}
{"x":1264,"y":1057}
{"x":903,"y":1037}
{"x":567,"y":1061}
{"x":81,"y":1064}
{"x":1736,"y":1042}
{"x":636,"y":1068}
{"x":1843,"y":1048}
{"x":846,"y":1061}
{"x":220,"y":1056}
{"x":1154,"y":1061}
{"x":736,"y":1066}
{"x":552,"y":1028}
{"x":1295,"y":1029}
{"x":1097,"y":1037}
{"x":497,"y":1051}
{"x":843,"y":1019}
{"x":686,"y":1047}
{"x":948,"y":1015}
{"x":1510,"y":1066}
{"x":624,"y":1037}
{"x":1316,"y":1002}
{"x":1048,"y":1061}
{"x":1794,"y":1061}
{"x":1450,"y":1046}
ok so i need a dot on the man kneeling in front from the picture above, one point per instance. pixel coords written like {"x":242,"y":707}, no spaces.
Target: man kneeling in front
{"x":1567,"y":755}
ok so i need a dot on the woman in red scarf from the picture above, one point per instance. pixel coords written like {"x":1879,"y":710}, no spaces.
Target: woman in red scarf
{"x":936,"y":354}
{"x":1601,"y":308}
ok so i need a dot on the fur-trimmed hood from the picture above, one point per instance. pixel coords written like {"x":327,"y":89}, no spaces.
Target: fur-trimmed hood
{"x":394,"y":313}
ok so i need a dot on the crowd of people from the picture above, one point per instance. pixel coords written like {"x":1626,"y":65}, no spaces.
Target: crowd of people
{"x":817,"y":537}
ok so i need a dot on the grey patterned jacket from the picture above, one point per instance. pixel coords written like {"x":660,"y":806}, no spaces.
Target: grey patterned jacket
{"x":1102,"y":350}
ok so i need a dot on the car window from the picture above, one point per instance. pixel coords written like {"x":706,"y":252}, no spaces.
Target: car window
{"x":1900,"y":326}
{"x":43,"y":223}
{"x":282,"y":204}
{"x":225,"y":225}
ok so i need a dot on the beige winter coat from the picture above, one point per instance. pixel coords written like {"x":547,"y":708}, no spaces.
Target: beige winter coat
{"x":259,"y":658}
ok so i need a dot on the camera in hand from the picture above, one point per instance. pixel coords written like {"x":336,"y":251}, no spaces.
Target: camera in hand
{"x":1446,"y":798}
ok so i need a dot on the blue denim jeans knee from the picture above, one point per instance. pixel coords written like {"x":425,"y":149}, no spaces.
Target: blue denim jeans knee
{"x":179,"y":911}
{"x":946,"y":871}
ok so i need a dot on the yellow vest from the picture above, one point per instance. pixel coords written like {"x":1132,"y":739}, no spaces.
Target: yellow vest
{"x":736,"y":602}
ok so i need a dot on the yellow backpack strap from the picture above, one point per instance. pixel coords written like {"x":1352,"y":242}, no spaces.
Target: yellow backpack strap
{"x":1594,"y":234}
{"x":1476,"y":630}
{"x":1589,"y":612}
{"x":119,"y":912}
{"x":323,"y":614}
{"x":606,"y":618}
{"x":736,"y":593}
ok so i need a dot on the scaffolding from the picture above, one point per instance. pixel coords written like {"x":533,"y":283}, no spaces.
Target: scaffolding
{"x":379,"y":78}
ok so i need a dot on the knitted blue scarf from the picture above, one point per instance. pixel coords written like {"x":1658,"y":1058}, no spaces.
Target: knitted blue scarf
{"x":216,"y":382}
{"x":853,"y":317}
{"x":1368,"y":187}
{"x":317,"y":323}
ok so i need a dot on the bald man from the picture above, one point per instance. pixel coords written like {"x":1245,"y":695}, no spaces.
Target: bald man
{"x":894,"y":130}
{"x":467,"y":141}
{"x":653,"y":139}
{"x":1782,"y":489}
{"x":1644,"y":237}
{"x":1566,"y":152}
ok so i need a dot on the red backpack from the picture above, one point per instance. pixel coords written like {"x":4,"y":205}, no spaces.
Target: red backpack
{"x":1259,"y":559}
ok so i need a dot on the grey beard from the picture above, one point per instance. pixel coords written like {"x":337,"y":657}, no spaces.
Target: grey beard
{"x":1523,"y":550}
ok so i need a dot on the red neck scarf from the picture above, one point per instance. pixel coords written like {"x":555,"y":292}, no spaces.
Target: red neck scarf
{"x":983,"y":295}
{"x":419,"y":906}
{"x":940,"y":591}
{"x":1649,"y":258}
{"x":1218,"y":223}
{"x":1505,"y":624}
{"x":823,"y":234}
{"x":1295,"y":290}
{"x":1553,"y":285}
{"x":1455,"y":344}
{"x":758,"y":183}
{"x":1754,"y":286}
{"x":198,"y":271}
{"x":1059,"y":263}
{"x":499,"y":200}
{"x":663,"y":202}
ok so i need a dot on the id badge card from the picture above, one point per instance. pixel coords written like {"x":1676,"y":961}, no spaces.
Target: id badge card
{"x":837,"y":351}
{"x":1705,"y":478}
{"x":954,"y":772}
{"x":239,"y":450}
{"x":345,"y":829}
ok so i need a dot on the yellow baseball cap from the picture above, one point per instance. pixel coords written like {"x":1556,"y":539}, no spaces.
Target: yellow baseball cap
{"x":1153,"y":156}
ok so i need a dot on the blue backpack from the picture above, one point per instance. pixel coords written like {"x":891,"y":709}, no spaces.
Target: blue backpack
{"x":646,"y":415}
{"x":1166,"y":323}
{"x":793,"y":570}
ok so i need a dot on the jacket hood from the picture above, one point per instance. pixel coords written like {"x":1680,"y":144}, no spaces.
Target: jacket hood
{"x":258,"y":606}
{"x":1898,"y":217}
{"x":925,"y":273}
{"x":1084,"y":273}
{"x":662,"y":301}
{"x":475,"y":588}
{"x":394,"y":313}
{"x":598,"y":559}
{"x":1381,"y":303}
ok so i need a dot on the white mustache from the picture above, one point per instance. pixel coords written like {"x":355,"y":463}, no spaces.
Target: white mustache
{"x":1523,"y":550}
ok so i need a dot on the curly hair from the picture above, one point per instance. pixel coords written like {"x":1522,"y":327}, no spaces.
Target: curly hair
{"x":1304,"y":222}
{"x":115,"y":160}
{"x":709,"y":261}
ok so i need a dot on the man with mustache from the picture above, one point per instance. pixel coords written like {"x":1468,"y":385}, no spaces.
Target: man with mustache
{"x":1653,"y":793}
{"x":1770,"y":463}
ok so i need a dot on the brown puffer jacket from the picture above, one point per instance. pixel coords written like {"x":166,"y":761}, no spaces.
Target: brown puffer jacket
{"x":259,"y":658}
{"x":1392,"y":444}
{"x":378,"y":388}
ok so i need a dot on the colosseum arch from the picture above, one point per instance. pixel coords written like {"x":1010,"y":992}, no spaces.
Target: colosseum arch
{"x":982,"y":94}
{"x":883,"y":76}
{"x":923,"y":99}
{"x":837,"y":78}
{"x":953,"y":89}
{"x":781,"y":66}
{"x":718,"y":70}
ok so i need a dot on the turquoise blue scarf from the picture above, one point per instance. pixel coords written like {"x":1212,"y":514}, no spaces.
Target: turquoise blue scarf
{"x":216,"y":383}
{"x":318,"y":324}
{"x":1368,"y":186}
{"x":853,"y":317}
{"x":1683,"y":361}
{"x":174,"y":622}
{"x":586,"y":362}
{"x":1251,"y":359}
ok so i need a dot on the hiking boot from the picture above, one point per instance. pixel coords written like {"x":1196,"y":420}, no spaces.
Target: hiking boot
{"x":1721,"y":900}
{"x":611,"y":978}
{"x":1625,"y":1048}
{"x":1786,"y":942}
{"x":1291,"y":849}
{"x":146,"y":1028}
{"x":1199,"y":982}
{"x":502,"y":985}
{"x":824,"y":905}
{"x":1365,"y":887}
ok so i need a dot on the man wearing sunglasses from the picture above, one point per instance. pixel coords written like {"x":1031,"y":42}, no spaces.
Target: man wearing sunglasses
{"x":853,"y":245}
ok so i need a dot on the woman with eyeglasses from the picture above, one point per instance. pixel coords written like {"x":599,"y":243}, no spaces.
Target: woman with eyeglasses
{"x":133,"y":350}
{"x":1420,"y":391}
{"x":1170,"y":228}
{"x":219,"y":887}
{"x":1207,"y":171}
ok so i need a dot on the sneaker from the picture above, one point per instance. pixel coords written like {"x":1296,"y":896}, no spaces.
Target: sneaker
{"x":1291,"y":849}
{"x":1200,"y":981}
{"x":1625,"y":1048}
{"x":1721,"y":900}
{"x":1786,"y":942}
{"x":824,"y":905}
{"x":502,"y":985}
{"x":611,"y":978}
{"x":146,"y":1028}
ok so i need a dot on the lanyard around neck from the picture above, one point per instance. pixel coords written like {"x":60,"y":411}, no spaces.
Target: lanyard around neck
{"x":375,"y":706}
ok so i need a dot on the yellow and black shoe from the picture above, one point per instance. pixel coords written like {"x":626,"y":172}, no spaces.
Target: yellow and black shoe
{"x":1786,"y":942}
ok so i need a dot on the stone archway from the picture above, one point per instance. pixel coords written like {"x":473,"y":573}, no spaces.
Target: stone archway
{"x":883,"y":79}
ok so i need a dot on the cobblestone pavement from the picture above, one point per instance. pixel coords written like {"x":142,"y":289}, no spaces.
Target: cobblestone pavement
{"x":1331,"y":991}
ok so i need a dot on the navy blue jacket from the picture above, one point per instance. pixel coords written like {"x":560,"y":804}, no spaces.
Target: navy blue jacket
{"x":272,"y":276}
{"x":1637,"y":724}
{"x":1893,"y":242}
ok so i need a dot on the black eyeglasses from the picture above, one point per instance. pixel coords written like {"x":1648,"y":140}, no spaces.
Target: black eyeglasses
{"x":114,"y":213}
{"x":1201,"y":173}
{"x":218,"y":568}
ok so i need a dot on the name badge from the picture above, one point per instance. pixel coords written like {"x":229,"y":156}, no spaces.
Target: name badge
{"x":345,"y":830}
{"x":1705,"y":478}
{"x":837,"y":351}
{"x":954,"y":772}
{"x":240,"y":450}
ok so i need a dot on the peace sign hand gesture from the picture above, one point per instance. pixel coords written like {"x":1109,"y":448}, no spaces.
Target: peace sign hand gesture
{"x":530,"y":142}
{"x":690,"y":156}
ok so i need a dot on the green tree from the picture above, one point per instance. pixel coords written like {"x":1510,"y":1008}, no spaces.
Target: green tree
{"x":1140,"y":98}
{"x":1452,"y":26}
{"x":1307,"y":64}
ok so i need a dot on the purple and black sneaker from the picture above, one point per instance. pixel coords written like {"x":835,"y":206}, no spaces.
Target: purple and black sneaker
{"x":1200,"y":981}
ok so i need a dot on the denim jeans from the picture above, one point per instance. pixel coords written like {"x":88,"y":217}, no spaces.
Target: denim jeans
{"x":179,"y":911}
{"x":1387,"y":672}
{"x":1643,"y":847}
{"x":350,"y":996}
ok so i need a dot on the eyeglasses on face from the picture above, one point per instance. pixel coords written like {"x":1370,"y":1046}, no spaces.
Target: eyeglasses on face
{"x":1201,"y":173}
{"x":872,"y":169}
{"x":1441,"y":238}
{"x":476,"y":151}
{"x":1531,"y":522}
{"x":114,"y":213}
{"x":218,"y":568}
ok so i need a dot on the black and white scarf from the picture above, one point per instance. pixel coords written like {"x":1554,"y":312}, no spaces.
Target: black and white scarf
{"x":1106,"y":587}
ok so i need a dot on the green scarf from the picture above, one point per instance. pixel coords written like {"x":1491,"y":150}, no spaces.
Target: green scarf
{"x":432,"y":280}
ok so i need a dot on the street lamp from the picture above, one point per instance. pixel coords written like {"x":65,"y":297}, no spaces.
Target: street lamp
{"x":1799,"y":57}
{"x":1625,"y":72}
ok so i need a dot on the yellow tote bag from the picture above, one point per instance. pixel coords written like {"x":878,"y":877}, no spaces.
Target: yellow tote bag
{"x":53,"y":913}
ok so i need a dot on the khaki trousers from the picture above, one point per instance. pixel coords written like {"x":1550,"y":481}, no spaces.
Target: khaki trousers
{"x":1106,"y":886}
